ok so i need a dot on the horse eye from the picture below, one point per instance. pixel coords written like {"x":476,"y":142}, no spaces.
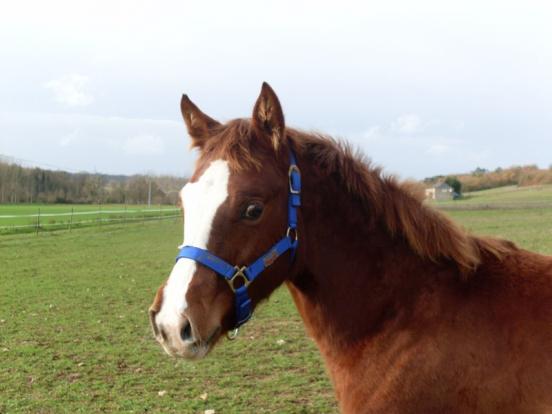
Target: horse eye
{"x":253,"y":211}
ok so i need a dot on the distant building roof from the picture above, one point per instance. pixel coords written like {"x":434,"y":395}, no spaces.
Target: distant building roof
{"x":443,"y":186}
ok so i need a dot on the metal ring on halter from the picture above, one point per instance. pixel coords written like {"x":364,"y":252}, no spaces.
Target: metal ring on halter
{"x":231,"y":335}
{"x":295,"y":233}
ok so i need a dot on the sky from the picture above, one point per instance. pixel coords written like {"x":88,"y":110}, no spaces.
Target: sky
{"x":423,"y":88}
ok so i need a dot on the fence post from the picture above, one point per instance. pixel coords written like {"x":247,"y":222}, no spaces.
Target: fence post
{"x":100,"y":214}
{"x":71,"y":218}
{"x":124,"y":215}
{"x":38,"y":221}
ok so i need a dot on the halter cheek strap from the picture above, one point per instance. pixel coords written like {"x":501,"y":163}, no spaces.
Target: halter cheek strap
{"x":240,"y":277}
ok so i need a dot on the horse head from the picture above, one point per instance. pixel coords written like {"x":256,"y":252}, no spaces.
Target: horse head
{"x":236,"y":212}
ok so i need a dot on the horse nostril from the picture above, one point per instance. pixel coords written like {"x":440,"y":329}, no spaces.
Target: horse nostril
{"x":186,"y":332}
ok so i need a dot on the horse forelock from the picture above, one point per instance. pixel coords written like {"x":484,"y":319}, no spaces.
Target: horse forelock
{"x":242,"y":147}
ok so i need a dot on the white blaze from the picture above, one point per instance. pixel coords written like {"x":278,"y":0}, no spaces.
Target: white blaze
{"x":201,"y":201}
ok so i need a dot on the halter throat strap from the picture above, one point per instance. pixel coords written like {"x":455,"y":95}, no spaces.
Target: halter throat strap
{"x":240,"y":277}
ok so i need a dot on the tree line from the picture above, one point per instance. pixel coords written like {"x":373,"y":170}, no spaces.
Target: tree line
{"x":483,"y":179}
{"x":19,"y":184}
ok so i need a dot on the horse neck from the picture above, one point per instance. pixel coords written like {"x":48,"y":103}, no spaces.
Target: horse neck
{"x":356,"y":279}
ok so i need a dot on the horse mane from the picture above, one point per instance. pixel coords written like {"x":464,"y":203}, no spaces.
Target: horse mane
{"x":429,"y":233}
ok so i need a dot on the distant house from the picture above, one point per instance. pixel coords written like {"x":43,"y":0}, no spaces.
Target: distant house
{"x":441,"y":191}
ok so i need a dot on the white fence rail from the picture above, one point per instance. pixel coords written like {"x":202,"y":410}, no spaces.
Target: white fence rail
{"x":76,"y":219}
{"x":77,"y":213}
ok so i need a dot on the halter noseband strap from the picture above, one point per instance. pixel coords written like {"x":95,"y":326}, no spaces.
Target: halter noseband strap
{"x":239,"y":278}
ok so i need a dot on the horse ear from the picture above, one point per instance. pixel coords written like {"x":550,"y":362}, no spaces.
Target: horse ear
{"x":268,"y":118}
{"x":200,"y":126}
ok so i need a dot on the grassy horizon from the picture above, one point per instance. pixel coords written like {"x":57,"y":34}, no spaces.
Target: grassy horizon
{"x":503,"y":197}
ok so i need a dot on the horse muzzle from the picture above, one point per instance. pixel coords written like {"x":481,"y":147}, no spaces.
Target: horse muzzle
{"x":182,"y":340}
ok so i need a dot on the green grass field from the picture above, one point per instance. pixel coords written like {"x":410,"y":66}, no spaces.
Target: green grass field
{"x":504,"y":197}
{"x":75,"y":336}
{"x":522,"y":214}
{"x":20,"y":218}
{"x":529,"y":228}
{"x":74,"y":332}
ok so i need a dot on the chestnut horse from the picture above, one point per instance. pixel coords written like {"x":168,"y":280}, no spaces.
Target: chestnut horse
{"x":411,"y":313}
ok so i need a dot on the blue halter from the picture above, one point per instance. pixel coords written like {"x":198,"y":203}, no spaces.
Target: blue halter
{"x":247,"y":274}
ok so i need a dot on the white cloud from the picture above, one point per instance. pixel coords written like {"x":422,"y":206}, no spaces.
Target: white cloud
{"x":373,"y":133}
{"x":68,"y":139}
{"x":438,"y":149}
{"x":144,"y":145}
{"x":407,"y":124}
{"x":71,"y":90}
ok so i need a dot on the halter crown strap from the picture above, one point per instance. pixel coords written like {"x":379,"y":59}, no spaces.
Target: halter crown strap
{"x":239,"y":278}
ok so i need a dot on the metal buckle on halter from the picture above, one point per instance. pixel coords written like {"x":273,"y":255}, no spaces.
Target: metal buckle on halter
{"x":293,"y":168}
{"x":240,"y":274}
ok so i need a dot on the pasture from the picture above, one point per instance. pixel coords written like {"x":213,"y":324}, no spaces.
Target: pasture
{"x":521,"y":214}
{"x":74,"y":332}
{"x":75,"y":336}
{"x":502,"y":198}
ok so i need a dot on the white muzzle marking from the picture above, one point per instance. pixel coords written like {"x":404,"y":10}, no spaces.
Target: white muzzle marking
{"x":201,"y":201}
